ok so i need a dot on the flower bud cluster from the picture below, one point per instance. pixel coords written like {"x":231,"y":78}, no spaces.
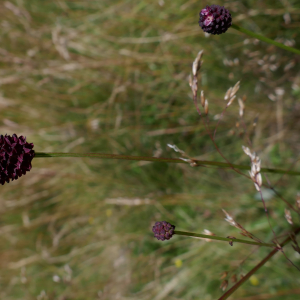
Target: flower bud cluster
{"x":163,"y":230}
{"x":15,"y":157}
{"x":215,"y":19}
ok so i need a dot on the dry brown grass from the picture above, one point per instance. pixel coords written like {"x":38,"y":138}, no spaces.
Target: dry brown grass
{"x":97,"y":76}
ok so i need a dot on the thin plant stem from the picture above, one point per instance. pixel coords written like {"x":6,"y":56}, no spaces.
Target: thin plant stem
{"x":161,"y":159}
{"x":218,"y":238}
{"x":257,"y":267}
{"x":265,"y":39}
{"x":272,"y":295}
{"x":196,"y":104}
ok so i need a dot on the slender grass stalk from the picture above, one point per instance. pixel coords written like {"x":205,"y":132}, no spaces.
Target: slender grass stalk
{"x":258,"y":266}
{"x":218,"y":238}
{"x":161,"y":159}
{"x":265,"y":39}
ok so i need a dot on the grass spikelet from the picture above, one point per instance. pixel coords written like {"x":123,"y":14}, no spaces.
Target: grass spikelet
{"x":288,"y":216}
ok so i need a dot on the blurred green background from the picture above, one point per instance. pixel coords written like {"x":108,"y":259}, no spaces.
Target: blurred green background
{"x":112,"y":77}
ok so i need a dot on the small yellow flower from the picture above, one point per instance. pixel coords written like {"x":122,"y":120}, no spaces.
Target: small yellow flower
{"x":254,"y":280}
{"x":108,"y":212}
{"x":91,"y":220}
{"x":178,"y":263}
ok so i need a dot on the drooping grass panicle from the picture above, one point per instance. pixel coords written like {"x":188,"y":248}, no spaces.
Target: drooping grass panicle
{"x":235,"y":224}
{"x":193,"y":80}
{"x":194,"y":86}
{"x":256,"y":177}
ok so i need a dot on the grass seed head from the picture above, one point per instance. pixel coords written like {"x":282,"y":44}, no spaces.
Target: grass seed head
{"x":229,"y":219}
{"x":206,"y":106}
{"x":202,"y":98}
{"x":242,"y":107}
{"x":288,"y":216}
{"x":197,"y":63}
{"x":235,"y":224}
{"x":255,"y":168}
{"x":231,"y":100}
{"x":224,"y":274}
{"x":228,"y":93}
{"x":235,"y":89}
{"x":190,"y":80}
{"x":232,"y":91}
{"x":247,"y":150}
{"x":233,"y":278}
{"x":208,"y":232}
{"x":224,"y":285}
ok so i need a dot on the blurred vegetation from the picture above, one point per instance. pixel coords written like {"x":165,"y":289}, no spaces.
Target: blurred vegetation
{"x":112,"y":77}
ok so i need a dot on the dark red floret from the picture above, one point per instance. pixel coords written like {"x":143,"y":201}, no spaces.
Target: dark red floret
{"x":215,"y":19}
{"x":163,"y":230}
{"x":15,"y":157}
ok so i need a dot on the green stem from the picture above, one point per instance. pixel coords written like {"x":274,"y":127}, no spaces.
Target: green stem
{"x":264,"y":39}
{"x":249,"y":274}
{"x":218,"y":238}
{"x":161,"y":159}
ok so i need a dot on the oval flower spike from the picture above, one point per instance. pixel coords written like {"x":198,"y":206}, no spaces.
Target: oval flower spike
{"x":215,"y":19}
{"x":163,"y":230}
{"x":15,"y":157}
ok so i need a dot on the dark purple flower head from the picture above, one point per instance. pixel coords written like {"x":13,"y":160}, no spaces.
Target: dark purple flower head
{"x":163,"y":230}
{"x":215,"y":19}
{"x":15,"y":157}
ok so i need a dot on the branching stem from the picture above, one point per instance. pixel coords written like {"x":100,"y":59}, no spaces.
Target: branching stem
{"x":249,"y":274}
